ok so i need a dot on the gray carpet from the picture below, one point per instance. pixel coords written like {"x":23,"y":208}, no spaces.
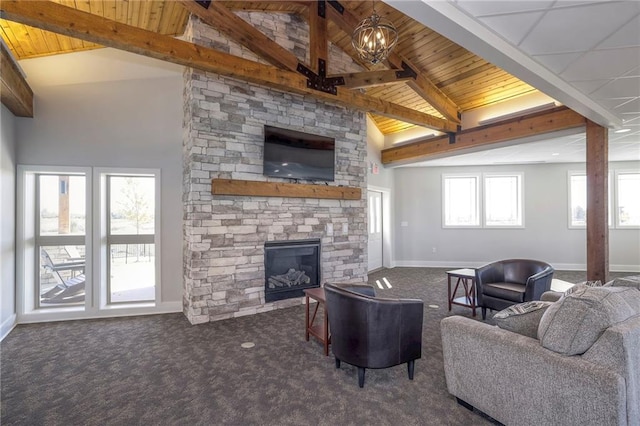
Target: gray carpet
{"x":160,"y":370}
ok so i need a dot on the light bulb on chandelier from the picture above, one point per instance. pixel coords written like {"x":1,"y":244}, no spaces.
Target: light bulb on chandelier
{"x":374,"y":38}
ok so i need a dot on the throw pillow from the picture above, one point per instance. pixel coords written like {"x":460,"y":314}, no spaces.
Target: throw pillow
{"x":522,"y":318}
{"x":572,"y":324}
{"x":630,"y":281}
{"x":594,"y":283}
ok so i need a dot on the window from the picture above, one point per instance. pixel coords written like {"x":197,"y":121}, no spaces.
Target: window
{"x":497,"y":196}
{"x":627,"y":199}
{"x":130,"y":238}
{"x":461,"y":201}
{"x":578,"y":200}
{"x":503,"y":200}
{"x":60,"y":231}
{"x":58,"y":269}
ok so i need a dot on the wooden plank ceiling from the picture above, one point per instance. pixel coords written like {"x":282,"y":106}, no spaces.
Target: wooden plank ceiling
{"x":450,"y":79}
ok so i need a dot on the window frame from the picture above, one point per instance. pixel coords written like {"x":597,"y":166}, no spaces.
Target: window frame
{"x":478,"y":207}
{"x":481,"y":201}
{"x":611,"y":200}
{"x":520,"y":199}
{"x":28,"y":261}
{"x":28,"y":242}
{"x":111,"y":239}
{"x":101,"y":254}
{"x":616,"y":206}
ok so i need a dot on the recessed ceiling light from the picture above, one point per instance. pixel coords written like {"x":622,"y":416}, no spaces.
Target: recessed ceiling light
{"x":555,"y":153}
{"x":622,"y":130}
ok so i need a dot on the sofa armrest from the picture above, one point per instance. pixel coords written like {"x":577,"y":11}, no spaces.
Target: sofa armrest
{"x":551,"y":296}
{"x":512,"y":378}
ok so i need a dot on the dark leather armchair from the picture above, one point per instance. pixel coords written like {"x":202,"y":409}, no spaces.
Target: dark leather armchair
{"x":370,"y":332}
{"x":508,"y":282}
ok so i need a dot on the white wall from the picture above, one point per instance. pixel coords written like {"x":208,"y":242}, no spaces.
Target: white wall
{"x":546,"y":236}
{"x":126,"y":123}
{"x":383,"y":182}
{"x":7,"y":221}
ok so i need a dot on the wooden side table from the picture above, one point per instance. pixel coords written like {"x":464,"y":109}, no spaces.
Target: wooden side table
{"x":320,"y":331}
{"x":466,"y":277}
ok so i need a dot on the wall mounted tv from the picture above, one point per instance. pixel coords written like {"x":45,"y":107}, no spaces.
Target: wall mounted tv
{"x":296,"y":155}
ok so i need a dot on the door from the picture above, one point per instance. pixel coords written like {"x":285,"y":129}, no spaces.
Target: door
{"x":375,"y":229}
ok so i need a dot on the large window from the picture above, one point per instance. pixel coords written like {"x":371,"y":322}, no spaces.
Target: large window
{"x":60,"y":230}
{"x":88,"y":238}
{"x":461,"y":200}
{"x":623,"y":201}
{"x":488,"y":200}
{"x":627,"y":199}
{"x":130,"y":238}
{"x":503,"y":200}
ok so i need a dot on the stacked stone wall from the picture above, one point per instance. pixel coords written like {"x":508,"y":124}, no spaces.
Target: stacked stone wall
{"x":224,"y":123}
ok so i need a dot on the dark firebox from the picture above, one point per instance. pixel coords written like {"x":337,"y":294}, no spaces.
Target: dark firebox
{"x":290,"y":267}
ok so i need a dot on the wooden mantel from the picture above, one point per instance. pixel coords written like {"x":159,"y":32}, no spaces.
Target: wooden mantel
{"x":277,"y":189}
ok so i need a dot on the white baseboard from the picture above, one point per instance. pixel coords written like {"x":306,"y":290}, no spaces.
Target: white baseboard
{"x":477,"y":264}
{"x":110,"y":312}
{"x":7,"y":325}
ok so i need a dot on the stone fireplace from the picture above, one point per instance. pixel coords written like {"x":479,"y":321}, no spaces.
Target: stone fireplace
{"x":225,"y":235}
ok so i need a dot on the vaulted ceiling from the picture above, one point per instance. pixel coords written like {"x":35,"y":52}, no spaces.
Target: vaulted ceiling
{"x":449,"y":79}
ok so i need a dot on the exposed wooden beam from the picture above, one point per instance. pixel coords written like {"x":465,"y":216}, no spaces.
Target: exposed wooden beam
{"x":597,"y":202}
{"x":427,"y":90}
{"x":60,"y":19}
{"x":15,"y":92}
{"x":347,"y":22}
{"x":318,"y":43}
{"x":553,"y":120}
{"x":357,"y":80}
{"x":236,"y":28}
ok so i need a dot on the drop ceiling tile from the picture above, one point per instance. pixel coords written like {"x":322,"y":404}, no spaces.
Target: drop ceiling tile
{"x":626,"y":87}
{"x":629,"y":107}
{"x":603,"y":64}
{"x":631,"y":118}
{"x":485,"y":8}
{"x":588,"y":86}
{"x":627,"y":36}
{"x":589,"y":24}
{"x":512,"y":27}
{"x":557,"y":62}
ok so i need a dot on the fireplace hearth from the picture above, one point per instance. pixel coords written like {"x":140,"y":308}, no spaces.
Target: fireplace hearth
{"x":290,"y":267}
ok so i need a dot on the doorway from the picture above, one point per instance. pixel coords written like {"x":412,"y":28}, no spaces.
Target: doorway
{"x":375,"y":230}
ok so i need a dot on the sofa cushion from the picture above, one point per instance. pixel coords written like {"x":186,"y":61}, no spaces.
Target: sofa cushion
{"x":522,"y":318}
{"x":630,"y":281}
{"x":572,"y":324}
{"x":576,"y":287}
{"x":507,"y":291}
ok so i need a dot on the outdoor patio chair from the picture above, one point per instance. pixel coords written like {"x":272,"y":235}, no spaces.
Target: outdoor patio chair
{"x":69,"y":290}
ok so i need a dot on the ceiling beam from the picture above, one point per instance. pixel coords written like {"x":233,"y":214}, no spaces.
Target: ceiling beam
{"x":318,"y":42}
{"x":347,"y":22}
{"x":486,"y":137}
{"x":358,"y":80}
{"x":426,"y":89}
{"x":60,"y":19}
{"x":15,"y":92}
{"x":237,"y":29}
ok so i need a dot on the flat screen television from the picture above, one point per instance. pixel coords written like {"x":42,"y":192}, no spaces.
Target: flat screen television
{"x":296,"y":155}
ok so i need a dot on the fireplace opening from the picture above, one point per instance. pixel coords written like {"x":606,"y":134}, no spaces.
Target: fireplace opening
{"x":290,"y":267}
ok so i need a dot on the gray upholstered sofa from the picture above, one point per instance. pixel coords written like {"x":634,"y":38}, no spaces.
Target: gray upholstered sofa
{"x":575,"y":361}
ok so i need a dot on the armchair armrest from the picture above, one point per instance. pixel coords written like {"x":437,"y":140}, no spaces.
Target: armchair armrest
{"x":538,"y":284}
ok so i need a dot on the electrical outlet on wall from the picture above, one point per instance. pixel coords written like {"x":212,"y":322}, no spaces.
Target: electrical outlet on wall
{"x":433,"y":250}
